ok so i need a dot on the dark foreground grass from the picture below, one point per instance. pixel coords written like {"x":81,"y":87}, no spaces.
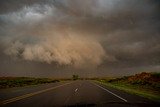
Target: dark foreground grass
{"x":144,"y":91}
{"x":8,"y":82}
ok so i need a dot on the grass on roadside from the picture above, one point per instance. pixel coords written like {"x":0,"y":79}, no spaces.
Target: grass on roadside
{"x":144,"y":91}
{"x":8,"y":82}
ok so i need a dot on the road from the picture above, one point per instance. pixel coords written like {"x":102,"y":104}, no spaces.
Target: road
{"x":72,"y":93}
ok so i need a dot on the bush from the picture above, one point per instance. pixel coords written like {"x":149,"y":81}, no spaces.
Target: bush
{"x":75,"y":77}
{"x":156,"y":75}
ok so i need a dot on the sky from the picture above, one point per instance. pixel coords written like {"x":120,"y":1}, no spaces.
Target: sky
{"x":91,"y":38}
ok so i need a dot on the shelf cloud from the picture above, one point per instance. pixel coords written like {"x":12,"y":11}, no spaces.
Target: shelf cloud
{"x":107,"y":35}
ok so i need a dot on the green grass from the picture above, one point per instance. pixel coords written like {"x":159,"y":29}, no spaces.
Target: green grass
{"x":8,"y":82}
{"x":144,"y":91}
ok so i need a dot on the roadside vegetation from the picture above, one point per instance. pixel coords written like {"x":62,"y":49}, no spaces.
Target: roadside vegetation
{"x":7,"y":82}
{"x":75,"y":77}
{"x":143,"y":84}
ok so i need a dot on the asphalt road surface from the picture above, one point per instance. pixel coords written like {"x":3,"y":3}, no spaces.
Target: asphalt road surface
{"x":80,"y":93}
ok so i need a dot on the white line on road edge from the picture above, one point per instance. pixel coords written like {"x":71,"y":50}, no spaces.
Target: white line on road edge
{"x":30,"y":94}
{"x":110,"y":92}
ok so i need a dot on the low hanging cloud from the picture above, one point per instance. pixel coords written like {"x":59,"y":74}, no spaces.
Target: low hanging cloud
{"x":71,"y":50}
{"x":50,"y":43}
{"x":108,"y":34}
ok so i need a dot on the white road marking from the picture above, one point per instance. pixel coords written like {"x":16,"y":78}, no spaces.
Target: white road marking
{"x":70,"y":96}
{"x":76,"y":89}
{"x":111,"y":92}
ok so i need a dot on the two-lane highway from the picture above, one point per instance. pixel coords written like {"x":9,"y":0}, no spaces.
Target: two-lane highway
{"x":73,"y":93}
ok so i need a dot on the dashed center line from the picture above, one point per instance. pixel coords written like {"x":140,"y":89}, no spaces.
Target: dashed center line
{"x":76,"y":89}
{"x":71,"y":96}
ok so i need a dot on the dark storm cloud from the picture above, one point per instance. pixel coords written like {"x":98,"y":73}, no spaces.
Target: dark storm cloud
{"x":111,"y":34}
{"x":14,"y":5}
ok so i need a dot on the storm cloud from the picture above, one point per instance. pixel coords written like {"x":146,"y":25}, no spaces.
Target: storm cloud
{"x":107,"y":35}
